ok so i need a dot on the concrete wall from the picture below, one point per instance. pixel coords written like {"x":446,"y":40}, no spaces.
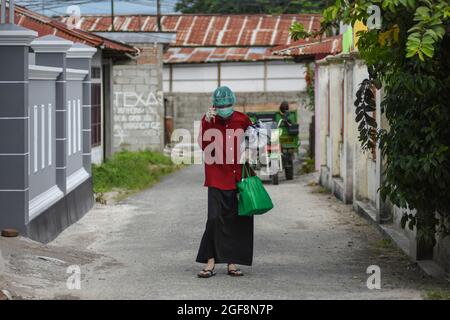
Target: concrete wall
{"x":45,"y":159}
{"x":331,"y":109}
{"x":138,"y":110}
{"x":352,"y":174}
{"x":321,"y":110}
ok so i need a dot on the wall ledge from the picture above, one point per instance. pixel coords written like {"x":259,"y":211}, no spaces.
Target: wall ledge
{"x":43,"y":201}
{"x":43,"y":73}
{"x":76,"y":74}
{"x":80,"y":50}
{"x":51,"y":44}
{"x":76,"y":178}
{"x":14,"y":35}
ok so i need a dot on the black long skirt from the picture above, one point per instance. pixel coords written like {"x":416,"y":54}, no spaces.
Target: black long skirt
{"x":228,"y":237}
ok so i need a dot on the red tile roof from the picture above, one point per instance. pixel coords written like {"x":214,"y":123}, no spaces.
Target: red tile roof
{"x":45,"y":26}
{"x":330,"y":45}
{"x":210,"y":29}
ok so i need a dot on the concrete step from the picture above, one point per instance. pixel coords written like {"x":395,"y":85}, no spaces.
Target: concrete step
{"x":390,"y":231}
{"x":367,"y":210}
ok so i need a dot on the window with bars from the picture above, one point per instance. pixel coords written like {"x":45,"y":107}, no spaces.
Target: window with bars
{"x":96,"y":115}
{"x":95,"y":73}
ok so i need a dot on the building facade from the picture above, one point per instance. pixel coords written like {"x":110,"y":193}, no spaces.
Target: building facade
{"x":109,"y":53}
{"x":137,"y":120}
{"x":45,"y":139}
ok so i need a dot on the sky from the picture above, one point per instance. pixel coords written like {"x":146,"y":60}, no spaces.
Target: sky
{"x":59,"y":7}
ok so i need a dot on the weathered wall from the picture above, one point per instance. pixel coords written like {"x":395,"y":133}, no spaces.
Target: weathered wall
{"x":321,"y":109}
{"x":441,"y":253}
{"x":362,"y":160}
{"x":138,"y":111}
{"x":359,"y":172}
{"x":189,"y":107}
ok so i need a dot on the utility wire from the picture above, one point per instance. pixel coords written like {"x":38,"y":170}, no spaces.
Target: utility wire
{"x":38,"y":4}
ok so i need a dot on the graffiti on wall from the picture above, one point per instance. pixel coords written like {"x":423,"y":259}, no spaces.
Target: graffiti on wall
{"x":136,"y":115}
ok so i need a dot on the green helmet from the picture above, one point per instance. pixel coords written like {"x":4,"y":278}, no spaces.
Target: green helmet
{"x":223,"y":96}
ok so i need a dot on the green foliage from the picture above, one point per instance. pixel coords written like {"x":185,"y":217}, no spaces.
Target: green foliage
{"x":321,"y":189}
{"x":298,"y":31}
{"x":385,"y":243}
{"x":428,"y":29}
{"x":365,"y":104}
{"x":308,"y":166}
{"x":131,"y":171}
{"x":410,"y":56}
{"x":437,"y":295}
{"x":250,"y":6}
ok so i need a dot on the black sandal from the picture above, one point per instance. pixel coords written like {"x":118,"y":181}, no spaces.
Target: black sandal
{"x":207,"y":273}
{"x":235,"y":272}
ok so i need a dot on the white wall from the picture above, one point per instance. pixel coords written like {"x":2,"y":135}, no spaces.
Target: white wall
{"x":239,"y":76}
{"x":341,"y":156}
{"x":243,"y":77}
{"x":97,"y":152}
{"x":191,"y":78}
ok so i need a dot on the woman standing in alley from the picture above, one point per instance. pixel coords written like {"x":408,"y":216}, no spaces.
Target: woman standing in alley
{"x":228,"y":238}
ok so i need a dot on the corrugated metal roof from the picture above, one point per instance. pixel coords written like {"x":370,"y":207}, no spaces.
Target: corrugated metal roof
{"x":45,"y":26}
{"x":330,"y":45}
{"x":209,"y":30}
{"x":217,"y":54}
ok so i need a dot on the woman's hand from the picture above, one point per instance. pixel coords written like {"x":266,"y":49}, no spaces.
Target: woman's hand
{"x":210,"y":114}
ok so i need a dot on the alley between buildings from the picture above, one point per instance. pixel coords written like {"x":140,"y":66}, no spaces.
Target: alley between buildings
{"x":310,"y":246}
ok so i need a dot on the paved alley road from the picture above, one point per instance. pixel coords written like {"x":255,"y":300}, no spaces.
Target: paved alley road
{"x":310,"y":246}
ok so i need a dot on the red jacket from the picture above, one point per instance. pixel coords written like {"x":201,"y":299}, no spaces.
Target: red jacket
{"x":226,"y":173}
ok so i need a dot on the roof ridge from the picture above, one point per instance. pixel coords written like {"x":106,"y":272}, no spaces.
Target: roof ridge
{"x":203,"y":14}
{"x":84,"y":36}
{"x":311,"y":47}
{"x":306,"y":42}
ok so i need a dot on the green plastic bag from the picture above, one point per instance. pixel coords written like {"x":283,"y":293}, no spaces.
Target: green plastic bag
{"x":253,"y":197}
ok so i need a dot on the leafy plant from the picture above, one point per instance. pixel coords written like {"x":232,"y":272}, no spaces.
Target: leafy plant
{"x":307,"y":166}
{"x":365,"y":105}
{"x":409,"y":54}
{"x":385,"y":243}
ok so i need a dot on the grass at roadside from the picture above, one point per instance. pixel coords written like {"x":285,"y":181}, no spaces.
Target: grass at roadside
{"x":307,"y":166}
{"x":128,"y":172}
{"x":437,"y":295}
{"x":385,"y":243}
{"x":320,"y":189}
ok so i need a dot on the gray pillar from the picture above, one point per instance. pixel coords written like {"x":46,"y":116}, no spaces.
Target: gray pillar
{"x":14,"y":114}
{"x":51,"y":51}
{"x":79,"y":57}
